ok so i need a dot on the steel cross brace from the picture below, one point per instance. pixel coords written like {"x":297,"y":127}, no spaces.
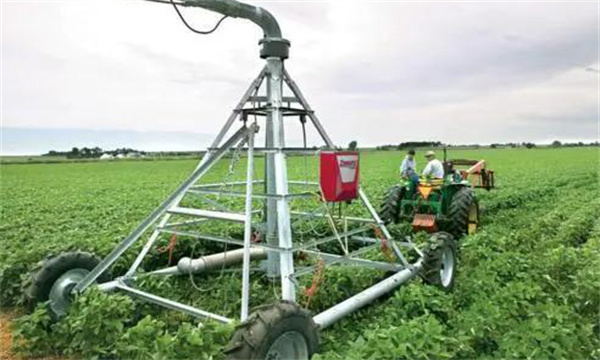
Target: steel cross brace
{"x":321,"y":130}
{"x":159,"y":211}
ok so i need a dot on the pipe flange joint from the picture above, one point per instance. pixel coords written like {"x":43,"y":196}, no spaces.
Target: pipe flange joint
{"x":274,"y":47}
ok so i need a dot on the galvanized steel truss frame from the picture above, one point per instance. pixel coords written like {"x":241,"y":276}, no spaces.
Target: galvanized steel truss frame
{"x":276,"y":197}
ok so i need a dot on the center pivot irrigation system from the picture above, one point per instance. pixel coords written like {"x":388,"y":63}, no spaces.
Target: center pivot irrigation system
{"x":272,"y":211}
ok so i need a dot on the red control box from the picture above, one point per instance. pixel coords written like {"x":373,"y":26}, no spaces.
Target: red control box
{"x":339,"y":175}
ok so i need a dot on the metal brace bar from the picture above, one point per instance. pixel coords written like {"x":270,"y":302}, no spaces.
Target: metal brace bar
{"x":218,"y":185}
{"x":265,"y":99}
{"x":147,"y":246}
{"x":218,"y":239}
{"x":173,"y":305}
{"x":381,"y":225}
{"x":310,"y":269}
{"x":350,"y":218}
{"x":255,"y":196}
{"x":378,"y":265}
{"x":375,"y":240}
{"x":297,"y":182}
{"x":185,"y":223}
{"x":253,"y":86}
{"x":311,"y":114}
{"x":330,"y":238}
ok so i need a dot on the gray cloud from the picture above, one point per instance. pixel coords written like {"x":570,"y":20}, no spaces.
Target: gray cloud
{"x":375,"y":71}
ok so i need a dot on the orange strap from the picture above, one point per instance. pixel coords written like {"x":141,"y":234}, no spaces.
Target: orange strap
{"x":316,"y":281}
{"x":385,"y":248}
{"x":170,"y":246}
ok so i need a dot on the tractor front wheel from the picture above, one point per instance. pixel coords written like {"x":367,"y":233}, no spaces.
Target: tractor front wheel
{"x":390,"y":208}
{"x":463,"y":213}
{"x":440,"y":261}
{"x":283,"y":330}
{"x":53,"y":280}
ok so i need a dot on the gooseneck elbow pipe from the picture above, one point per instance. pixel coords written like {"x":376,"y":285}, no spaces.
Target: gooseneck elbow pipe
{"x":232,"y":8}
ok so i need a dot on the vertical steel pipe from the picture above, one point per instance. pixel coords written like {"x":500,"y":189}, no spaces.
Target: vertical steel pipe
{"x":284,"y":231}
{"x":271,"y":203}
{"x":248,"y":226}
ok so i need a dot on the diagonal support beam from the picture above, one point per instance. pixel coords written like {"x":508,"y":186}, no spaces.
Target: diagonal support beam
{"x":234,"y":114}
{"x":311,"y":114}
{"x":313,"y":117}
{"x":159,"y":211}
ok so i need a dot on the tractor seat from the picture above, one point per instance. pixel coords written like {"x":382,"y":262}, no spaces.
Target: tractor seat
{"x":434,"y":183}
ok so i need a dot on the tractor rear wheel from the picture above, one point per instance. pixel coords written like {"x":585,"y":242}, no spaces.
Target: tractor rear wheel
{"x":283,"y":330}
{"x":463,"y":213}
{"x":390,"y":208}
{"x":54,"y":279}
{"x":440,"y":261}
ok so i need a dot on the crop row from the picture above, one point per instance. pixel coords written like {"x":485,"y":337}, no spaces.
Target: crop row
{"x":527,"y":283}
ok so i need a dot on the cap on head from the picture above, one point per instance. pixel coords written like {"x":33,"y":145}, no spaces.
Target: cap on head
{"x":411,"y":152}
{"x":430,"y":154}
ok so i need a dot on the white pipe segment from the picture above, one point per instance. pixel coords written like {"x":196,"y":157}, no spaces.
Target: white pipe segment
{"x":215,"y":261}
{"x":187,"y":265}
{"x":367,"y":296}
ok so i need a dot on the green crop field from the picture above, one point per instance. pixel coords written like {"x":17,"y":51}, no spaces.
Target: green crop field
{"x":528,"y":284}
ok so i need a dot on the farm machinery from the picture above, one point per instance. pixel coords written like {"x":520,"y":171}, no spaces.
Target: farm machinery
{"x":449,"y":204}
{"x":263,"y":225}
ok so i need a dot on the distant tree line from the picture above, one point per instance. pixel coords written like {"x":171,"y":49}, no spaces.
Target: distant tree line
{"x":527,"y":145}
{"x":557,"y":143}
{"x":554,"y":144}
{"x":90,"y":153}
{"x":410,"y":145}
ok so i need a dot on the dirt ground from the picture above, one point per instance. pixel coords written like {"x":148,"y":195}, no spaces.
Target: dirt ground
{"x":6,"y":336}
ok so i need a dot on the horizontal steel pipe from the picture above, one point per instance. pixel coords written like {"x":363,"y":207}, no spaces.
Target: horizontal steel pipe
{"x":187,"y":265}
{"x":367,"y":296}
{"x":215,"y":261}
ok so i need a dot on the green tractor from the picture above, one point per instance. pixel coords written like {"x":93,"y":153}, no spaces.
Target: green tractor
{"x":448,"y":204}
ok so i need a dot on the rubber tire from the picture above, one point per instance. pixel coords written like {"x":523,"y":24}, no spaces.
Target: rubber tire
{"x":390,"y":208}
{"x":432,"y":262}
{"x":458,"y":212}
{"x":49,"y":270}
{"x":254,"y":337}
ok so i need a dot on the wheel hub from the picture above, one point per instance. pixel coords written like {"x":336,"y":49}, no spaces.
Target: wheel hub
{"x":290,"y":345}
{"x":473,"y":219}
{"x":60,"y":293}
{"x":447,"y":268}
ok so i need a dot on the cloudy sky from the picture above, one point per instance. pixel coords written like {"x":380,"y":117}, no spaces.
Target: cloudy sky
{"x":121,"y":72}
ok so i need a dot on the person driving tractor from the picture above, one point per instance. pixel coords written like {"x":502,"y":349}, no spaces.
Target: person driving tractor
{"x":434,"y":168}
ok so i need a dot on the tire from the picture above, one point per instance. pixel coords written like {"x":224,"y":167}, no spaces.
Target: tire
{"x":69,"y":268}
{"x":257,"y":337}
{"x":463,"y":213}
{"x":390,"y":208}
{"x":440,"y":261}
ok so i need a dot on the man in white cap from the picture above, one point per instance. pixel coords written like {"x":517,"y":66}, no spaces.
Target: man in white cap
{"x":434,"y":168}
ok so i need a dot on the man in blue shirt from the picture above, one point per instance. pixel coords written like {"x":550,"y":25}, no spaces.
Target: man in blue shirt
{"x":408,"y":169}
